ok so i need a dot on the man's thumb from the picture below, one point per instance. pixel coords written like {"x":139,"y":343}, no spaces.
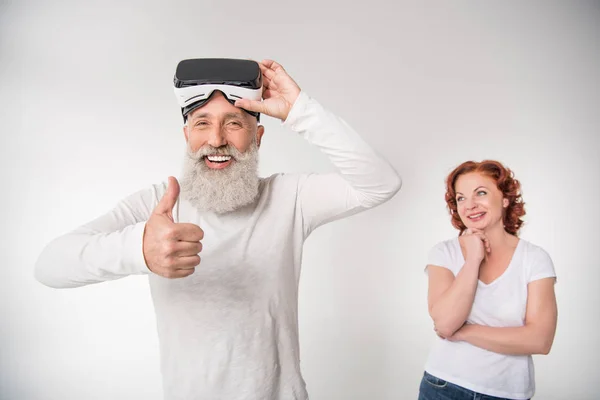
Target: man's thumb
{"x":166,"y":204}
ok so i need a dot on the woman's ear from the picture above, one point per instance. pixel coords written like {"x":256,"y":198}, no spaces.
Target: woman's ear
{"x":505,"y":202}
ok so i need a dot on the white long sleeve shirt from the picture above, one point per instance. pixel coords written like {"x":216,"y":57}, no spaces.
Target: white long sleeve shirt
{"x":230,"y":330}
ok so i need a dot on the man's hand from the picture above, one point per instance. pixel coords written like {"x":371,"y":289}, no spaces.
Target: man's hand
{"x":279,"y":92}
{"x":171,"y":249}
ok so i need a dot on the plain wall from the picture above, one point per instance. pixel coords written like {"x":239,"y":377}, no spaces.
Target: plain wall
{"x":88,"y":116}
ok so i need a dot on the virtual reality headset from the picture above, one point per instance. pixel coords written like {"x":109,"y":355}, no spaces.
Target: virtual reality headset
{"x":196,"y":80}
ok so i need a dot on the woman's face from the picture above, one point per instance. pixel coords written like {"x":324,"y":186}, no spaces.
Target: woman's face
{"x":479,"y":202}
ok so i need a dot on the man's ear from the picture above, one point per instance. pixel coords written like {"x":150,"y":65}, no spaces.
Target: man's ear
{"x":185,"y":132}
{"x":260,"y":131}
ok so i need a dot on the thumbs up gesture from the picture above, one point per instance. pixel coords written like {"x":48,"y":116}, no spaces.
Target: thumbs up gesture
{"x":171,"y":249}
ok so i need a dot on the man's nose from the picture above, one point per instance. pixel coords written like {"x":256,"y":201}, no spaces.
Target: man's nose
{"x":217,"y":138}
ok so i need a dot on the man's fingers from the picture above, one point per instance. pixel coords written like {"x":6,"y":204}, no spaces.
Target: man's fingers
{"x":270,"y":85}
{"x":272,"y":65}
{"x":267,"y":73}
{"x":251,"y":105}
{"x":179,"y":267}
{"x":188,"y":262}
{"x":178,"y":263}
{"x":166,"y":204}
{"x":176,"y":274}
{"x":186,"y":249}
{"x":266,"y":82}
{"x":188,"y":232}
{"x":268,"y":93}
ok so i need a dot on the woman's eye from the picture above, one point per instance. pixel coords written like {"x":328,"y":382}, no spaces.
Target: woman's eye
{"x":460,"y":198}
{"x":481,"y":193}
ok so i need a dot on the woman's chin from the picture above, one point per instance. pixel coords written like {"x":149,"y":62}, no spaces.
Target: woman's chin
{"x":477,"y":226}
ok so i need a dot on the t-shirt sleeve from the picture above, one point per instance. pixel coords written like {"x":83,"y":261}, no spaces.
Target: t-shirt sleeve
{"x":541,"y":266}
{"x":438,"y":256}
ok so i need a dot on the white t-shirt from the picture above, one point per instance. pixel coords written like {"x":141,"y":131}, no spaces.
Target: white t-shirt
{"x":230,"y":330}
{"x":501,"y":303}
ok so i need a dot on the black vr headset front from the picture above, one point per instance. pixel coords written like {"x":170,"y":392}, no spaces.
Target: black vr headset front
{"x":196,"y":80}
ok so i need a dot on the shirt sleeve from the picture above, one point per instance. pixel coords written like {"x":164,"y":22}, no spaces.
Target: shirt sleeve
{"x":363,"y":179}
{"x":438,"y":256}
{"x":541,"y":266}
{"x":107,"y":248}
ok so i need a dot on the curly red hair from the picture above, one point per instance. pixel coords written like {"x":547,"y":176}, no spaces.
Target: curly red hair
{"x":505,"y":182}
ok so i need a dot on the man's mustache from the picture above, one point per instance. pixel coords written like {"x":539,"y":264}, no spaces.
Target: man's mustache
{"x":208,"y":150}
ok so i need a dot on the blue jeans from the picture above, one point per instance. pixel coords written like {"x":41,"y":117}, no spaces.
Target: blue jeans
{"x":433,"y":388}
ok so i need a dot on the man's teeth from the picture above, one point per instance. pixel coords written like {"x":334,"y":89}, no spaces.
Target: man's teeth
{"x":218,"y":158}
{"x":476,"y":215}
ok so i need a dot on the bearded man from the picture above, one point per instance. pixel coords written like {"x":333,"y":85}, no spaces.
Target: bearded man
{"x":227,"y":322}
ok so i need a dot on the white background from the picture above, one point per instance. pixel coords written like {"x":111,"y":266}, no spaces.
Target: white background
{"x":88,"y":116}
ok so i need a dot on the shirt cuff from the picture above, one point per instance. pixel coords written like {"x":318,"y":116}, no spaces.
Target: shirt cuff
{"x":298,"y":110}
{"x":133,"y":253}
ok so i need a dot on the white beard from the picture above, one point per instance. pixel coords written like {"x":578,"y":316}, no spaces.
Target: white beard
{"x":220,"y":190}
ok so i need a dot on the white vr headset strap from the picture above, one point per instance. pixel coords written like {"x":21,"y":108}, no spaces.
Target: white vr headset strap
{"x":190,"y":94}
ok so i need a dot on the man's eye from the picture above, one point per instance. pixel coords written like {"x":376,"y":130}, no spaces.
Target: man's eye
{"x":236,"y":124}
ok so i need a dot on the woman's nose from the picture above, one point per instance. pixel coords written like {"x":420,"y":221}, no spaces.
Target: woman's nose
{"x":471,"y":204}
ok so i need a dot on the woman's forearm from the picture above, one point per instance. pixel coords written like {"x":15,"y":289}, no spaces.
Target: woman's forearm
{"x":451,"y":309}
{"x":522,"y":340}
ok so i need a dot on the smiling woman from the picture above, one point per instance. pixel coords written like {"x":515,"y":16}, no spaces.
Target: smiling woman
{"x":500,"y":182}
{"x":491,"y":294}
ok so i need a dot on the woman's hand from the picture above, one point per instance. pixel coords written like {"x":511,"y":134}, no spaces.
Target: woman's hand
{"x":475,"y":245}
